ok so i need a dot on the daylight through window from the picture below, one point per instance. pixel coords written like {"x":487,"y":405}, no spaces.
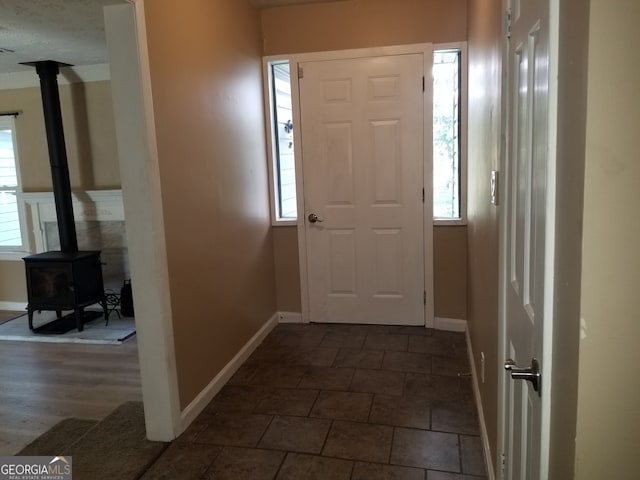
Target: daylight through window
{"x":284,"y":161}
{"x":446,"y":135}
{"x":10,"y":231}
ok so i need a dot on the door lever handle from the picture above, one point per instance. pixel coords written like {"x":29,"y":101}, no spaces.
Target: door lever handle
{"x":313,"y":218}
{"x":531,"y":374}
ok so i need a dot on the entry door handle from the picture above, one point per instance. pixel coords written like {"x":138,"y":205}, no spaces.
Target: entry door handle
{"x":531,"y":374}
{"x":313,"y":218}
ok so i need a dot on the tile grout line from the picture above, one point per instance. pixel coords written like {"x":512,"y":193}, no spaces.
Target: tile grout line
{"x":315,"y":401}
{"x":210,"y":466}
{"x":430,"y":416}
{"x":326,"y":438}
{"x":284,"y":458}
{"x":265,"y":431}
{"x":373,"y":399}
{"x":460,"y":453}
{"x":393,"y":439}
{"x":353,"y":469}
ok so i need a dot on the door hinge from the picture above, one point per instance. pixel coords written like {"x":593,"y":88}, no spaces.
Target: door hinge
{"x":507,"y":23}
{"x":423,"y":83}
{"x":300,"y":72}
{"x":503,"y":466}
{"x":423,"y":195}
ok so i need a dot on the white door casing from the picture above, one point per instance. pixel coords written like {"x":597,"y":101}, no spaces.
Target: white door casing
{"x":525,"y":247}
{"x":362,"y":128}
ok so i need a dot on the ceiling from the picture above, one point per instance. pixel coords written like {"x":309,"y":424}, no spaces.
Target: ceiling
{"x":68,"y":31}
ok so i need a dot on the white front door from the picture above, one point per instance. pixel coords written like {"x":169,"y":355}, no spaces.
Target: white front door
{"x":525,"y":240}
{"x":362,"y":153}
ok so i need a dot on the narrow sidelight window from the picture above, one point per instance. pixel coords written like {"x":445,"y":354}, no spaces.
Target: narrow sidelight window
{"x":447,"y":134}
{"x":282,"y":151}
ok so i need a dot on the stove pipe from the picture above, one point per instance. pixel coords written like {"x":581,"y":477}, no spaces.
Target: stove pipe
{"x":48,"y":70}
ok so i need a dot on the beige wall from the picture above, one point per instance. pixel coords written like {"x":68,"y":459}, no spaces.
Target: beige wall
{"x":205,"y":66}
{"x":449,"y":264}
{"x":287,"y":264}
{"x":485,"y":42}
{"x":87,"y":117}
{"x":13,"y":282}
{"x":362,"y":24}
{"x":450,"y":271}
{"x":608,"y":421}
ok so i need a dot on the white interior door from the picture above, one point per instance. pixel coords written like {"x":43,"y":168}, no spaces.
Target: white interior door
{"x":362,"y":146}
{"x":526,"y":236}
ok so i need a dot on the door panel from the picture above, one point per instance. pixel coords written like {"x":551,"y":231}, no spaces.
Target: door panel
{"x":362,"y":144}
{"x":338,"y":159}
{"x":526,"y":204}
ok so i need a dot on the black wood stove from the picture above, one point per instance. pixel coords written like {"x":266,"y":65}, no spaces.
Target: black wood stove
{"x":64,"y":281}
{"x":68,"y":279}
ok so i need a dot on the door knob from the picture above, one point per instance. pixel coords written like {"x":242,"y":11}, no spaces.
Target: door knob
{"x":531,"y":374}
{"x":313,"y":218}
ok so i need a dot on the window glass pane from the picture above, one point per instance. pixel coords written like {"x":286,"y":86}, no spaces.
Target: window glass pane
{"x":283,"y":138}
{"x":8,"y":176}
{"x":10,"y":232}
{"x":446,"y":134}
{"x":10,"y":235}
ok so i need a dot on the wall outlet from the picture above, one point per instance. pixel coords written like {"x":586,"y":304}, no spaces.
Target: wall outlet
{"x":482,"y":367}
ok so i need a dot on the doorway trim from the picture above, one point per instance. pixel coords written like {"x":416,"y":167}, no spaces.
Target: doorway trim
{"x":142,"y":198}
{"x":426,"y":49}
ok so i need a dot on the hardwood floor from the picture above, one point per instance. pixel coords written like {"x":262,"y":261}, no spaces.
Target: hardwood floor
{"x":43,"y":383}
{"x":8,"y":315}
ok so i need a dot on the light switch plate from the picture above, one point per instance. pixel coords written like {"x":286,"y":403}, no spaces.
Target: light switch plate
{"x":494,"y":187}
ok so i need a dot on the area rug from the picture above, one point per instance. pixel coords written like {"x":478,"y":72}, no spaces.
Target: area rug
{"x":59,"y":438}
{"x":116,"y":447}
{"x":95,"y":331}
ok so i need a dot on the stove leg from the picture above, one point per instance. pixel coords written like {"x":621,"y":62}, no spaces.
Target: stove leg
{"x":80,"y":318}
{"x":103,"y":302}
{"x":30,"y":315}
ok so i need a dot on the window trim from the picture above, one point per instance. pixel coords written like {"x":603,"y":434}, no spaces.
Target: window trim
{"x":293,"y":60}
{"x":15,"y":253}
{"x":272,"y":155}
{"x":462,"y":46}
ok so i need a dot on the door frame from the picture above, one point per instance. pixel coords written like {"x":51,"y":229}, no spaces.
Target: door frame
{"x":426,"y":49}
{"x":131,"y":87}
{"x":550,"y":213}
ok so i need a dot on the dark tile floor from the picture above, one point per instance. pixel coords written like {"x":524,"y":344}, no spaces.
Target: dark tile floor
{"x":338,"y":402}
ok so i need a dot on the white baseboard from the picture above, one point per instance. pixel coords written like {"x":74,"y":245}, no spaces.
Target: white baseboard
{"x":488,"y":459}
{"x":14,"y":306}
{"x":450,"y":324}
{"x":199,"y":403}
{"x":289,"y":317}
